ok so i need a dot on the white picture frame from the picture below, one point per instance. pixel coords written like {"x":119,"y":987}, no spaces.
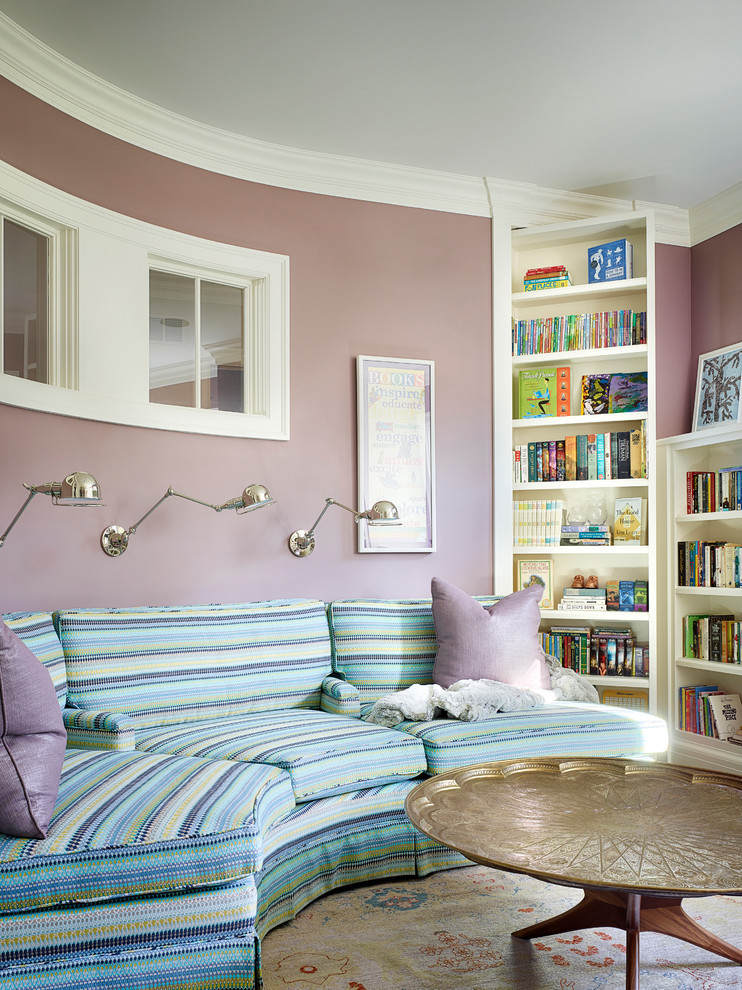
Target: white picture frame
{"x":396,"y":451}
{"x":718,"y":386}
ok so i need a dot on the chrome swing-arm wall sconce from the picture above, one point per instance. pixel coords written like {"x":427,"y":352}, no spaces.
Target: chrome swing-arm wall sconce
{"x":382,"y":513}
{"x":115,"y":539}
{"x":77,"y":488}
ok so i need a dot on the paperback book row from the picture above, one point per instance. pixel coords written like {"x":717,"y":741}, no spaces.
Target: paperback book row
{"x":615,"y":456}
{"x":715,"y":638}
{"x":579,"y":331}
{"x":538,"y":522}
{"x":714,"y":491}
{"x":709,"y":564}
{"x":598,"y":651}
{"x":547,"y":392}
{"x":617,"y":596}
{"x":708,"y":711}
{"x":551,"y":277}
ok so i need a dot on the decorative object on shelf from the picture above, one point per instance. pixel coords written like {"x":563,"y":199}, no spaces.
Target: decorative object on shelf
{"x":381,"y":513}
{"x":610,"y":262}
{"x":718,"y":387}
{"x":537,"y":572}
{"x":115,"y":539}
{"x":78,"y":488}
{"x":396,"y":451}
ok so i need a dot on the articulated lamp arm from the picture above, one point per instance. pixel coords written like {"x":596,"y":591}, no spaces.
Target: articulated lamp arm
{"x":382,"y":513}
{"x":115,"y":539}
{"x":78,"y":488}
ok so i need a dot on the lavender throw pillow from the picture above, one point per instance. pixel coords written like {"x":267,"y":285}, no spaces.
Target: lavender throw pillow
{"x":32,"y":740}
{"x":500,"y":642}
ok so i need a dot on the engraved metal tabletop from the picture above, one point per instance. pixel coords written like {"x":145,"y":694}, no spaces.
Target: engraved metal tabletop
{"x":590,"y":822}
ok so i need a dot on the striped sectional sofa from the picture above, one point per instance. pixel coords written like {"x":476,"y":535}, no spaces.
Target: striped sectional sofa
{"x":219,"y":776}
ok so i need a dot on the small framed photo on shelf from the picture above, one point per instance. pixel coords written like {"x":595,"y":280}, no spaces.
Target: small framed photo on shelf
{"x":537,"y":572}
{"x":718,"y":387}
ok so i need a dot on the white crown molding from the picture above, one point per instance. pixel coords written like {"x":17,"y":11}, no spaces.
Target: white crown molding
{"x":717,"y":214}
{"x":46,"y":74}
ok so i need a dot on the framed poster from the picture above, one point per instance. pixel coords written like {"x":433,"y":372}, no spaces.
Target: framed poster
{"x":718,"y":387}
{"x":396,"y":452}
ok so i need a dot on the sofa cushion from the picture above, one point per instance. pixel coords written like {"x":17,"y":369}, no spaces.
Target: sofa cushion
{"x":382,"y":646}
{"x":197,"y":662}
{"x":323,"y":753}
{"x":32,"y":740}
{"x":37,"y":631}
{"x":565,"y":728}
{"x":500,"y":642}
{"x":133,"y":824}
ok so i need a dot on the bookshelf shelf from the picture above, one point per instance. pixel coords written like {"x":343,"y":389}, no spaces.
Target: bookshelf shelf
{"x":583,"y":423}
{"x":705,"y":451}
{"x":568,"y":244}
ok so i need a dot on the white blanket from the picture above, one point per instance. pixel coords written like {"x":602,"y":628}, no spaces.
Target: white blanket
{"x":471,"y":701}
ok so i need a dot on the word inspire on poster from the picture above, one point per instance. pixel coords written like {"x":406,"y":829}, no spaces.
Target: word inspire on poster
{"x":396,"y":451}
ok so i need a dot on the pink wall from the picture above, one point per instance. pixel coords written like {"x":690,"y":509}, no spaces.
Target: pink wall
{"x":675,"y":368}
{"x":365,"y":278}
{"x":717,"y":293}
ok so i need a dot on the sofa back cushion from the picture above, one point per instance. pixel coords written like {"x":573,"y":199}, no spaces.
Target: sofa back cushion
{"x":178,"y":663}
{"x":383,"y":646}
{"x":36,"y":630}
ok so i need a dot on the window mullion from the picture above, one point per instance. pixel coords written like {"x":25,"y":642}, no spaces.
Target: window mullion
{"x":197,"y":339}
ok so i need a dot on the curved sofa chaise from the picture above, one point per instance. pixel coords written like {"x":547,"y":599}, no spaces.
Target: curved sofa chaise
{"x":219,"y":776}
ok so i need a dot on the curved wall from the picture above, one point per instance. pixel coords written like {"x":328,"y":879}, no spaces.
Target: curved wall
{"x":365,"y":279}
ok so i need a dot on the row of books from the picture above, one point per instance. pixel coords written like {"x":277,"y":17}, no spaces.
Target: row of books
{"x":714,"y":491}
{"x":579,"y":331}
{"x":709,"y":564}
{"x":538,"y":522}
{"x":715,"y":638}
{"x":551,"y":277}
{"x":708,"y":711}
{"x":599,"y":651}
{"x":586,"y":535}
{"x":613,"y":456}
{"x":617,"y":596}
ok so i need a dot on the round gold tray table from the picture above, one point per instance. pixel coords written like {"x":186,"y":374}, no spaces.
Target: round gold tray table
{"x":636,"y":837}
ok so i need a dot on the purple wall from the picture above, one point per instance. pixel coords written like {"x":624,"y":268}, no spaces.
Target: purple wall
{"x":674,"y":365}
{"x":717,"y":293}
{"x":365,"y":279}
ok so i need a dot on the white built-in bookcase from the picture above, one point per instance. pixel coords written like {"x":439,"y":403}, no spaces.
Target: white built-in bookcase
{"x":514,"y":252}
{"x":706,"y":450}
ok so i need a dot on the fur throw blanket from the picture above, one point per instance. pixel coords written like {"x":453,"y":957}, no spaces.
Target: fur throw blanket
{"x":471,"y":701}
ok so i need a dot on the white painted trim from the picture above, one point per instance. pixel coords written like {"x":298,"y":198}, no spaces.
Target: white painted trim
{"x":30,"y":64}
{"x":716,"y":215}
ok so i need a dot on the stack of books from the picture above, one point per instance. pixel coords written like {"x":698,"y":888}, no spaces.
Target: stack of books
{"x":585,"y":535}
{"x":553,"y":277}
{"x":583,"y":599}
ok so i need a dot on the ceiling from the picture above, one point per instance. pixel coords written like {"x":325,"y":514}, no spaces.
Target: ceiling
{"x":637,"y":99}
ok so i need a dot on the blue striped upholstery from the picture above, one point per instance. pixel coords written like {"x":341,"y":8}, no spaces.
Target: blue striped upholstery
{"x":37,"y":631}
{"x":184,"y":663}
{"x":98,"y":730}
{"x":184,"y":940}
{"x":340,"y":698}
{"x":566,"y":728}
{"x":383,"y":646}
{"x":129,"y":823}
{"x":323,"y":753}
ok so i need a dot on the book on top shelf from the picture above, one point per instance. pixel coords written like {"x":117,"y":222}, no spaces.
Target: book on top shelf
{"x":611,"y":261}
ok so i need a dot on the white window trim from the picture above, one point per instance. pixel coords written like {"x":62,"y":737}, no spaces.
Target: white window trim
{"x":107,"y":360}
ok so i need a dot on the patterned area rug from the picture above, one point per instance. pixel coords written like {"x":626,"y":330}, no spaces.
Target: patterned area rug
{"x":451,"y":931}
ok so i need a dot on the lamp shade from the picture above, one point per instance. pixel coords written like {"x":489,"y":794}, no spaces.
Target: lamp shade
{"x":255,"y":496}
{"x":78,"y":488}
{"x":383,"y":513}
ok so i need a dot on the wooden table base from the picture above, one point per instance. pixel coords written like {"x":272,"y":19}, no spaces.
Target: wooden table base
{"x":632,"y":913}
